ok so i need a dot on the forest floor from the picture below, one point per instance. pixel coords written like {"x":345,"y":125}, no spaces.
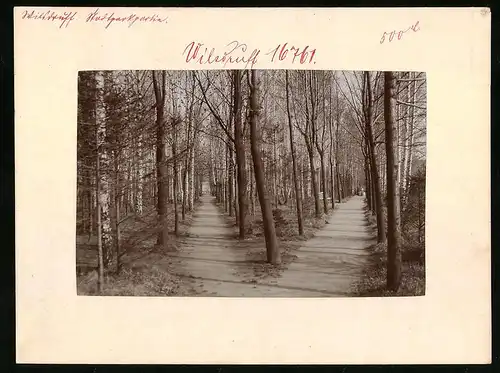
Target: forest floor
{"x":374,"y":279}
{"x":147,"y":268}
{"x":208,"y":260}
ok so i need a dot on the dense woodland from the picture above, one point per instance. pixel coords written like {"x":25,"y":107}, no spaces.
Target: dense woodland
{"x":262,"y":141}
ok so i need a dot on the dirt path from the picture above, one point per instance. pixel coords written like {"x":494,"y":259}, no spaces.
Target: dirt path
{"x":327,"y":265}
{"x":216,"y":263}
{"x":334,"y":258}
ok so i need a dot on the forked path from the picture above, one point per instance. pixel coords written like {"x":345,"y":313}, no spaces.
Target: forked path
{"x":334,"y":259}
{"x":326,"y":265}
{"x":215,"y":261}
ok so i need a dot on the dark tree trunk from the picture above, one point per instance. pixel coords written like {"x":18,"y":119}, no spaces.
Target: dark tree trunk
{"x":332,"y":181}
{"x":373,"y":163}
{"x":393,"y":201}
{"x":314,"y":181}
{"x":235,"y":193}
{"x":298,"y":200}
{"x":176,"y":179}
{"x":323,"y":180}
{"x":116,"y":209}
{"x":184,"y":189}
{"x":368,"y":190}
{"x":90,"y":205}
{"x":161,"y":179}
{"x":332,"y":162}
{"x":339,"y":184}
{"x":225,"y":183}
{"x":273,"y":254}
{"x":230,"y":174}
{"x":337,"y":165}
{"x":309,"y":139}
{"x":100,"y":251}
{"x":240,"y":155}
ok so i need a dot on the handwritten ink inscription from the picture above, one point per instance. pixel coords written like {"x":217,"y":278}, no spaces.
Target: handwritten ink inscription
{"x":64,"y":18}
{"x":96,"y":16}
{"x":399,"y":34}
{"x":239,"y":54}
{"x":130,"y":19}
{"x":301,"y":55}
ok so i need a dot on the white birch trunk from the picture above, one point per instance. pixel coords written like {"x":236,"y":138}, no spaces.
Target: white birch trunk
{"x":406,"y":143}
{"x":103,"y":175}
{"x":191,"y":181}
{"x":140,"y":178}
{"x":399,"y":138}
{"x":409,"y":157}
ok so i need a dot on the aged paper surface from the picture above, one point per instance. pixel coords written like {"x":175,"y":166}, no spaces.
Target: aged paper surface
{"x":450,"y":324}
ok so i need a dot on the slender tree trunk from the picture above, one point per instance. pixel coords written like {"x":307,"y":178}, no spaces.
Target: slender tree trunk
{"x":90,"y":201}
{"x":383,"y":172}
{"x":309,"y":139}
{"x":323,"y":180}
{"x":368,"y":182}
{"x":314,"y":182}
{"x":337,"y":164}
{"x":127,"y":197}
{"x":240,"y":155}
{"x":298,"y":200}
{"x":304,"y":185}
{"x":332,"y":160}
{"x":230,"y":174}
{"x":373,"y":164}
{"x":140,"y":177}
{"x":409,"y":161}
{"x":393,"y":201}
{"x":376,"y":188}
{"x":409,"y":143}
{"x":273,"y":171}
{"x":176,"y":179}
{"x":92,"y":212}
{"x":211,"y":174}
{"x":252,"y":193}
{"x":191,"y":138}
{"x":339,"y":184}
{"x":116,"y":209}
{"x":332,"y":180}
{"x":100,"y":253}
{"x":102,"y":182}
{"x":273,"y":253}
{"x":184,"y":188}
{"x":400,"y":137}
{"x":190,"y":184}
{"x":161,"y":174}
{"x":226,"y":181}
{"x":284,"y":174}
{"x":192,"y":180}
{"x":235,"y":193}
{"x":372,"y":189}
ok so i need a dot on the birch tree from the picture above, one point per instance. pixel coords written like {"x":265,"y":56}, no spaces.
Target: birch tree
{"x":102,"y":181}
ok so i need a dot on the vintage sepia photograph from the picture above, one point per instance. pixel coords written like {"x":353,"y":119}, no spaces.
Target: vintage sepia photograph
{"x":212,"y":189}
{"x":251,"y":183}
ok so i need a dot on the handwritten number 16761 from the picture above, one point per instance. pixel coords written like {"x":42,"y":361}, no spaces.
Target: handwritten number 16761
{"x":282,"y":52}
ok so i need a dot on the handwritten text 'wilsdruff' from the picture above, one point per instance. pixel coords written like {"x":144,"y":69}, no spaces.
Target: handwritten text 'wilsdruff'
{"x":236,"y":53}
